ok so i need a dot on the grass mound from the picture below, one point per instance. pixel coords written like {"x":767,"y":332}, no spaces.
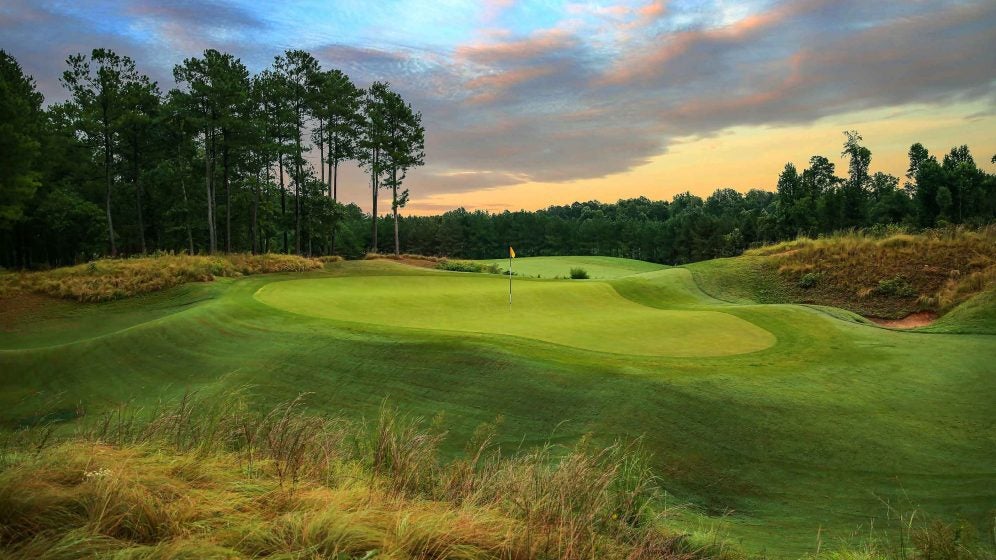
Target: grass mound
{"x":108,"y":279}
{"x":203,"y":479}
{"x":887,"y":277}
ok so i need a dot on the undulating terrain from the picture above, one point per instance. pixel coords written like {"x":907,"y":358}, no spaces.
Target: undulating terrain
{"x":777,"y":425}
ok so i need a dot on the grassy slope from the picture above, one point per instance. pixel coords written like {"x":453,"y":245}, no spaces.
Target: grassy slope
{"x":815,"y":431}
{"x":599,"y":268}
{"x":889,"y":277}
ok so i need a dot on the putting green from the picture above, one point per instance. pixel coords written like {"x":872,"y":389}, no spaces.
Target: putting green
{"x":598,"y":268}
{"x":587,"y":315}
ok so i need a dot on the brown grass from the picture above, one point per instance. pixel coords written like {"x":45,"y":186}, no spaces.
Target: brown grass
{"x":402,"y":256}
{"x":210,"y":478}
{"x":108,"y":279}
{"x":889,"y":276}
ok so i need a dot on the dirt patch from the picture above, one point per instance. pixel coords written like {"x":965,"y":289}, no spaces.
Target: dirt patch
{"x":911,"y":321}
{"x":409,"y":259}
{"x":16,"y":309}
{"x":423,"y":263}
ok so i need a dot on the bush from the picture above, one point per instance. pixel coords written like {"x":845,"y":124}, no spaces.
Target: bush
{"x":897,"y":286}
{"x":467,"y":266}
{"x":810,"y":279}
{"x":579,"y":273}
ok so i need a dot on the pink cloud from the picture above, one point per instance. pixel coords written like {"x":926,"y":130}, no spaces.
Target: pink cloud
{"x":646,"y":64}
{"x":542,"y":42}
{"x":490,"y":87}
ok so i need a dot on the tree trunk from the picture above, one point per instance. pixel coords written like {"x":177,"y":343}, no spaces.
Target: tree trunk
{"x":207,"y":185}
{"x":107,"y":177}
{"x":374,"y":187}
{"x":228,"y":193}
{"x":297,"y":183}
{"x":394,"y":206}
{"x":283,"y":199}
{"x":186,"y":201}
{"x":255,"y":213}
{"x":332,"y":192}
{"x":321,"y":150}
{"x":138,"y":193}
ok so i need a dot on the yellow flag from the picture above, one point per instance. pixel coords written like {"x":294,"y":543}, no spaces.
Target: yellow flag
{"x":511,"y":252}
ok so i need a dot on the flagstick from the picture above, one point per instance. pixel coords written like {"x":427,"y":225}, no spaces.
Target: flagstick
{"x":510,"y":276}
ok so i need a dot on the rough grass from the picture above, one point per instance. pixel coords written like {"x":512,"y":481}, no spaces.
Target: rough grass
{"x":203,"y":478}
{"x":887,"y":277}
{"x":109,"y":279}
{"x":216,"y":478}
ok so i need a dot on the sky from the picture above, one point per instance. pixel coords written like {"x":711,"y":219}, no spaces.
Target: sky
{"x":533,"y":103}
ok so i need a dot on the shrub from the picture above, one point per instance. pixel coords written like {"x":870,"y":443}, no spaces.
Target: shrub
{"x":578,"y":273}
{"x":468,"y":266}
{"x":809,"y":280}
{"x":897,"y":286}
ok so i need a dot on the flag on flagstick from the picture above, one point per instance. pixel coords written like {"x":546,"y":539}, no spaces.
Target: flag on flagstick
{"x":511,"y":255}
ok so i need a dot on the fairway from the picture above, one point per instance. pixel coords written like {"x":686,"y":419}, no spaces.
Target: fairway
{"x":586,"y":315}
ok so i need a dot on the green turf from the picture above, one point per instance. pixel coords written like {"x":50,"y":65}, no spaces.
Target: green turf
{"x":598,"y":268}
{"x":816,"y":432}
{"x":590,"y":316}
{"x":977,"y":315}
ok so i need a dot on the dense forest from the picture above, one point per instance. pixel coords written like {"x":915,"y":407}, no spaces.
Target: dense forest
{"x":218,"y":164}
{"x":811,"y":203}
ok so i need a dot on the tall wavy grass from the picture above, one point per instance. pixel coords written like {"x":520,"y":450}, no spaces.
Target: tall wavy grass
{"x":108,"y":279}
{"x":889,"y":274}
{"x":209,"y":477}
{"x":216,"y":477}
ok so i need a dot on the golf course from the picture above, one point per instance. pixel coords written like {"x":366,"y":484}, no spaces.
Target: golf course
{"x":771,"y":426}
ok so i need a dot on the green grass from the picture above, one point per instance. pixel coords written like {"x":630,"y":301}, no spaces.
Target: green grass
{"x":598,"y":268}
{"x":814,"y":431}
{"x":588,"y":316}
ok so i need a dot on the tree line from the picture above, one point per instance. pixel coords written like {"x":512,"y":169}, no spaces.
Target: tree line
{"x":812,"y":202}
{"x":218,"y":164}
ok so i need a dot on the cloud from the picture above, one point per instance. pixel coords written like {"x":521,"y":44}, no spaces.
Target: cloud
{"x":598,"y":90}
{"x":41,"y":35}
